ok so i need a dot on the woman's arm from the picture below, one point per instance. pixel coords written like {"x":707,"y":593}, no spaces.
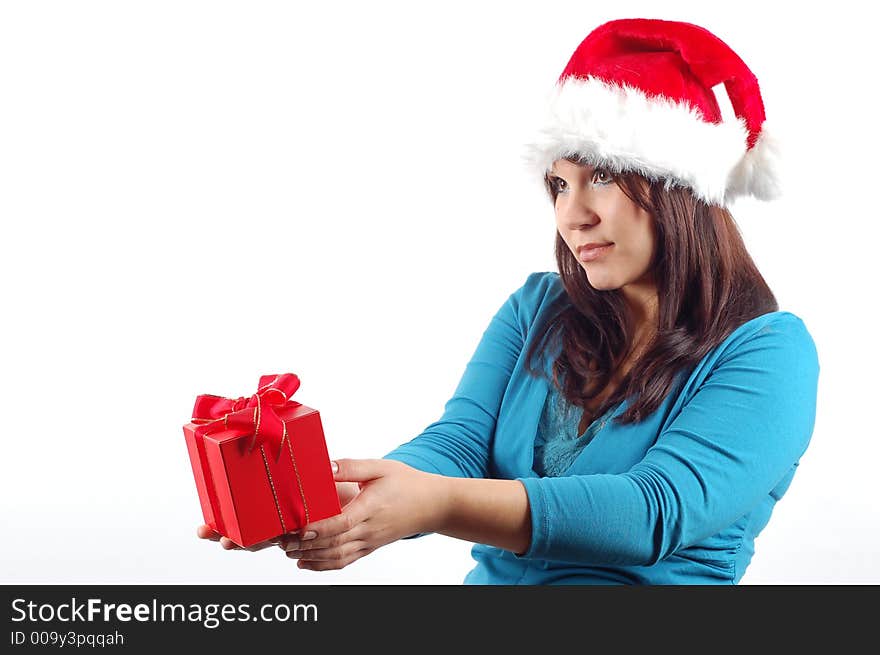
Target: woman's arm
{"x":493,"y":512}
{"x":397,"y":500}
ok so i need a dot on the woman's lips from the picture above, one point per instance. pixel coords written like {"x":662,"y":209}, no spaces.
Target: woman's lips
{"x":589,"y":254}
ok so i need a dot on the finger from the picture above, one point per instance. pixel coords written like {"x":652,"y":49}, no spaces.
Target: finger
{"x":358,"y":470}
{"x":229,"y":544}
{"x":205,"y":532}
{"x":330,"y":565}
{"x":316,"y":534}
{"x":296,"y":541}
{"x":340,"y":551}
{"x":289,"y":539}
{"x":357,"y":533}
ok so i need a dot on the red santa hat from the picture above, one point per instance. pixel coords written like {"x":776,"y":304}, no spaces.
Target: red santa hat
{"x":637,"y":95}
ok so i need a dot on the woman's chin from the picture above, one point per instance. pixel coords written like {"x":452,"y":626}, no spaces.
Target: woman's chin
{"x":601,"y":283}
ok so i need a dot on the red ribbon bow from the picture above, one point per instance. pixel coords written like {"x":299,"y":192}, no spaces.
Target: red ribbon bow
{"x":255,"y":414}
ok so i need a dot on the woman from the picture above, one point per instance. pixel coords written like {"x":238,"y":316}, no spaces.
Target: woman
{"x":634,"y":417}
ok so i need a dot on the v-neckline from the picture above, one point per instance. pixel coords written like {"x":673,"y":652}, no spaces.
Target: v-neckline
{"x":611,"y":414}
{"x":551,"y":389}
{"x":604,"y":417}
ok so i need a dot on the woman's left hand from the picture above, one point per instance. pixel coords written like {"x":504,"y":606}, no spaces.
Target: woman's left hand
{"x":395,"y":501}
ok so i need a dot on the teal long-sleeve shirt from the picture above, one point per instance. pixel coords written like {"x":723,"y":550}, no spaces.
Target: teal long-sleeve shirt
{"x":677,"y":498}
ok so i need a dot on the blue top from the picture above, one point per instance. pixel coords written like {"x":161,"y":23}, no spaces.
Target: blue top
{"x":677,"y":498}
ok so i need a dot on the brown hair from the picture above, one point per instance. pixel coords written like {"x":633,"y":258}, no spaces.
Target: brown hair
{"x":708,"y":286}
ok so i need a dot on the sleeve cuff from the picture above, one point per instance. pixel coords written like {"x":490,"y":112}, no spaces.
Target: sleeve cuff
{"x":539,"y":518}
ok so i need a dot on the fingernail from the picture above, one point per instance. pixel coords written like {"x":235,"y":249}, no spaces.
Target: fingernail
{"x":334,"y":467}
{"x":290,"y":545}
{"x":294,"y":555}
{"x":311,"y":534}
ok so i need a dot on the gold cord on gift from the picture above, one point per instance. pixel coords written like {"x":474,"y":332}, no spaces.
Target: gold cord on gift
{"x":257,"y":416}
{"x":274,"y":494}
{"x":296,"y":471}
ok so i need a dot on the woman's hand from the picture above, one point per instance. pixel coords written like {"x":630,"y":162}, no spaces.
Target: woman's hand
{"x":346,"y":491}
{"x":395,"y":501}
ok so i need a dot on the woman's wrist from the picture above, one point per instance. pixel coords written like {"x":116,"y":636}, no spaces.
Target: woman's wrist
{"x":441,"y":489}
{"x":488,"y":511}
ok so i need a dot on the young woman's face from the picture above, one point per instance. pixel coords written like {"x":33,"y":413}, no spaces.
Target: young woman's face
{"x":591,"y":208}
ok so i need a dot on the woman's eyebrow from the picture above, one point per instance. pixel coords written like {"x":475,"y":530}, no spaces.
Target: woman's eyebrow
{"x":588,"y":167}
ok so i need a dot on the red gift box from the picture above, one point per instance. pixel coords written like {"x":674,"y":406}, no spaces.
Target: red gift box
{"x":260,"y":464}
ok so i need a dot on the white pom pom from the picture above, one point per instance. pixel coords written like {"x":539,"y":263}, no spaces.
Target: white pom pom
{"x":759,"y":172}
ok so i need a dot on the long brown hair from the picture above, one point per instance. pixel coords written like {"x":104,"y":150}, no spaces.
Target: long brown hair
{"x":708,"y":285}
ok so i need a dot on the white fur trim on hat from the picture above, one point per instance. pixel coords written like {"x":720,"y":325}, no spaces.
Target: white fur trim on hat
{"x":620,"y":128}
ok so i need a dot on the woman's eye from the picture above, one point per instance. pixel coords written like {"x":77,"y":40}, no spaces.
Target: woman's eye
{"x":601,"y":177}
{"x":602,"y":173}
{"x":556,"y":184}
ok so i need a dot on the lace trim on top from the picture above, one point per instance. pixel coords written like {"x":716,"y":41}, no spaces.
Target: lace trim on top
{"x":557,"y":442}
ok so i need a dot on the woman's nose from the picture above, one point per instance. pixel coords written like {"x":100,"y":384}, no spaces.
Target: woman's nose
{"x":577,"y":217}
{"x":576,"y":211}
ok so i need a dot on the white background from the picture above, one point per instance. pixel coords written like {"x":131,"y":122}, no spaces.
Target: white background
{"x":193,"y":194}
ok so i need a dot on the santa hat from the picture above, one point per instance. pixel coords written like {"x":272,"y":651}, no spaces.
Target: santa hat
{"x":637,"y":95}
